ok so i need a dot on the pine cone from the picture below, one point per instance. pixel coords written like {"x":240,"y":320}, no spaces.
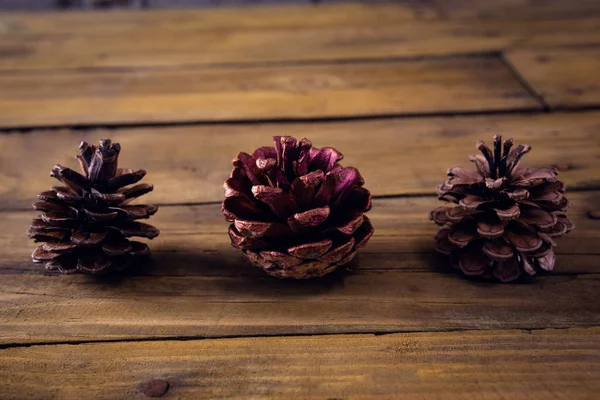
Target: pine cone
{"x":296,"y":212}
{"x":507,"y":217}
{"x":85,"y":224}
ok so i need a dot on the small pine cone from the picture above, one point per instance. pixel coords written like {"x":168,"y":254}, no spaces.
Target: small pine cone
{"x":84,"y":225}
{"x":507,"y":217}
{"x":296,"y":212}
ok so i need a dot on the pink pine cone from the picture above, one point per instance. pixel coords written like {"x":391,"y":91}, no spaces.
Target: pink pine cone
{"x":295,"y":211}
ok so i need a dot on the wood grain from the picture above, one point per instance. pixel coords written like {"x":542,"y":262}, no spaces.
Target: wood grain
{"x":495,"y":365}
{"x":564,"y":78}
{"x":41,"y":309}
{"x":290,"y":16}
{"x":198,"y":286}
{"x":276,"y":17}
{"x":396,"y":156}
{"x":418,"y":330}
{"x":305,"y":33}
{"x":275,"y":92}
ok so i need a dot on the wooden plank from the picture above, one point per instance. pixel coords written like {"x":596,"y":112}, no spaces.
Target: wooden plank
{"x":495,"y":365}
{"x":320,"y":91}
{"x":563,"y":77}
{"x":193,"y":240}
{"x":291,"y":17}
{"x":396,"y":156}
{"x":199,"y":286}
{"x":247,"y":18}
{"x":306,"y":33}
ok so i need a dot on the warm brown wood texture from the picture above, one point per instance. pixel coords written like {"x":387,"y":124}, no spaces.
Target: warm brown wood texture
{"x":199,"y":286}
{"x":531,"y":365}
{"x":192,"y":94}
{"x":396,"y":156}
{"x":237,"y":36}
{"x":342,"y":32}
{"x":563,"y":77}
{"x":404,"y":90}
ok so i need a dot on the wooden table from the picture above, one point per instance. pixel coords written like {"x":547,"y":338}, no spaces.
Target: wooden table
{"x":404,"y":91}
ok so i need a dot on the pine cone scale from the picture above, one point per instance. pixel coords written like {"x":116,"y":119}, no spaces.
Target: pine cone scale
{"x":498,"y":250}
{"x":121,"y":181}
{"x":116,"y":248}
{"x":311,"y":250}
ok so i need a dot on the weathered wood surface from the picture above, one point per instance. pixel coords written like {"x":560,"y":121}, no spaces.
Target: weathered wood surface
{"x":263,"y":93}
{"x":276,"y":34}
{"x":395,"y":156}
{"x":295,"y":62}
{"x":198,"y":286}
{"x":563,"y":77}
{"x":532,"y":365}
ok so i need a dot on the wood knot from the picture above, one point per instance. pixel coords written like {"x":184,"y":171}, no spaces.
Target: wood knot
{"x":155,"y":388}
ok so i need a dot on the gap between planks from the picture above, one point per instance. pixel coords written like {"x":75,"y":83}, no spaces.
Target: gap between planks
{"x":192,"y":338}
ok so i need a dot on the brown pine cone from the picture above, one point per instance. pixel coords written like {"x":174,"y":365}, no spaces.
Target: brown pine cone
{"x":84,"y":225}
{"x":296,"y":212}
{"x":507,"y":217}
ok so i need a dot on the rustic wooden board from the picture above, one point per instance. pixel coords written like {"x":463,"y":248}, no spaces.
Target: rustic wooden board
{"x":305,"y":33}
{"x":396,"y":156}
{"x":565,"y":77}
{"x":495,"y":365}
{"x":280,"y":17}
{"x":297,"y":16}
{"x":263,"y":93}
{"x":337,"y":61}
{"x":198,"y":286}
